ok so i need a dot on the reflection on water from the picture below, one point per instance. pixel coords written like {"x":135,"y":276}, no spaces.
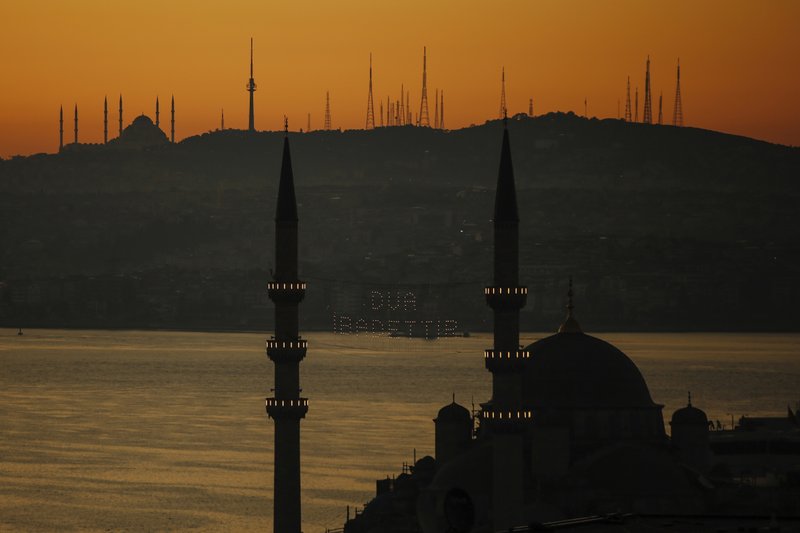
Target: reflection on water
{"x":165,"y":430}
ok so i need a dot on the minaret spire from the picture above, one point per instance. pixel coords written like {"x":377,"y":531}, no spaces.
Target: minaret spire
{"x":660,"y":108}
{"x":424,"y":119}
{"x":222,"y":119}
{"x":436,"y":109}
{"x":105,"y":119}
{"x":441,"y":111}
{"x":286,"y":349}
{"x":370,"y":106}
{"x":60,"y":128}
{"x":120,"y":115}
{"x":251,"y":88}
{"x":157,"y":113}
{"x":76,"y":124}
{"x":636,"y":106}
{"x":172,"y":125}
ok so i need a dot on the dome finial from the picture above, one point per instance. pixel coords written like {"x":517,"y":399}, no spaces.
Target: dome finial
{"x":285,"y":125}
{"x":570,"y":325}
{"x":690,"y":398}
{"x":454,"y":397}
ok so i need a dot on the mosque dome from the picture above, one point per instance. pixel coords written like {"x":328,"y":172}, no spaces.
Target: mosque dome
{"x":142,"y":132}
{"x":572,"y":370}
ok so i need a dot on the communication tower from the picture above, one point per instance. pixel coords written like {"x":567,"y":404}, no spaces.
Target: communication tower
{"x":628,"y":101}
{"x":677,"y":113}
{"x":648,"y":105}
{"x":370,"y":107}
{"x":327,"y":110}
{"x":251,"y":88}
{"x":424,"y":119}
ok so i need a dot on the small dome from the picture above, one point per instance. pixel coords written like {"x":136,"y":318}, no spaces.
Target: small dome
{"x":689,"y":416}
{"x":575,"y":370}
{"x":453,"y":412}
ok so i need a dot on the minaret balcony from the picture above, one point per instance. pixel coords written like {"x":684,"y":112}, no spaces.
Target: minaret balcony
{"x":286,"y":351}
{"x":286,"y":292}
{"x":506,"y":298}
{"x":505,"y":360}
{"x":505,"y":420}
{"x":289,"y":408}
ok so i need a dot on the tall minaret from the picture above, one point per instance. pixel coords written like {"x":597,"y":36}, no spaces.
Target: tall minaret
{"x":504,"y":416}
{"x":158,"y":121}
{"x":105,"y":119}
{"x":286,"y":349}
{"x":60,"y":128}
{"x":172,"y":125}
{"x":251,"y":88}
{"x":76,"y":124}
{"x":120,"y":115}
{"x":222,"y":119}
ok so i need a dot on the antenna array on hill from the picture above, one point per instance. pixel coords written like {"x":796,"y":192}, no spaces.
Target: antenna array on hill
{"x":677,"y":113}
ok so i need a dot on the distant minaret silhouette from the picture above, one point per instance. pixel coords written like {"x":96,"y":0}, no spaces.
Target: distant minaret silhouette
{"x":286,"y":349}
{"x":441,"y":110}
{"x":222,"y":119}
{"x":105,"y":119}
{"x":503,"y":108}
{"x":585,"y":108}
{"x":158,"y":120}
{"x":636,"y":107}
{"x":436,"y":109}
{"x":408,"y":109}
{"x":530,"y":107}
{"x":402,"y":109}
{"x":251,"y":88}
{"x":648,"y":104}
{"x":120,"y":115}
{"x":424,"y":119}
{"x":308,"y":125}
{"x":327,"y":110}
{"x":60,"y":128}
{"x":172,"y":121}
{"x":76,"y":124}
{"x":660,"y":114}
{"x":677,"y":113}
{"x":504,"y":416}
{"x":370,"y":107}
{"x":381,"y":110}
{"x":628,"y":101}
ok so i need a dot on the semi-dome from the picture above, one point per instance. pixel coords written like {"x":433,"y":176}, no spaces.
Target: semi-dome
{"x":572,"y":370}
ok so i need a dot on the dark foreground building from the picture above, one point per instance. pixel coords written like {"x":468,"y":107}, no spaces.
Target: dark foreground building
{"x":570,"y":436}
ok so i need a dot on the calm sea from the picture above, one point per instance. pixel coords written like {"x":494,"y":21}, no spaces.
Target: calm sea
{"x":129,"y":430}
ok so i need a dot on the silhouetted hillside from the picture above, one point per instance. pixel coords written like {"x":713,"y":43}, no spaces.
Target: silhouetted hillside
{"x":662,"y":227}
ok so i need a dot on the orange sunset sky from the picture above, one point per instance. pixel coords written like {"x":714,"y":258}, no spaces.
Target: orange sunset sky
{"x":740,"y":61}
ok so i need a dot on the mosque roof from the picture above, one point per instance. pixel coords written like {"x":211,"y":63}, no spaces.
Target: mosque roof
{"x":573,"y":370}
{"x":143,"y":132}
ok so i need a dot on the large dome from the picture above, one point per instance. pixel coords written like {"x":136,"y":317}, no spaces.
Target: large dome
{"x":577,"y":371}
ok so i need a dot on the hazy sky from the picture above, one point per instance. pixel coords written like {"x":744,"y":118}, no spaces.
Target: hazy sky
{"x":740,"y":61}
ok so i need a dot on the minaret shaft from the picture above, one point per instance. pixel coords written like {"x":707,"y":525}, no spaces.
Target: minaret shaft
{"x":286,"y":349}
